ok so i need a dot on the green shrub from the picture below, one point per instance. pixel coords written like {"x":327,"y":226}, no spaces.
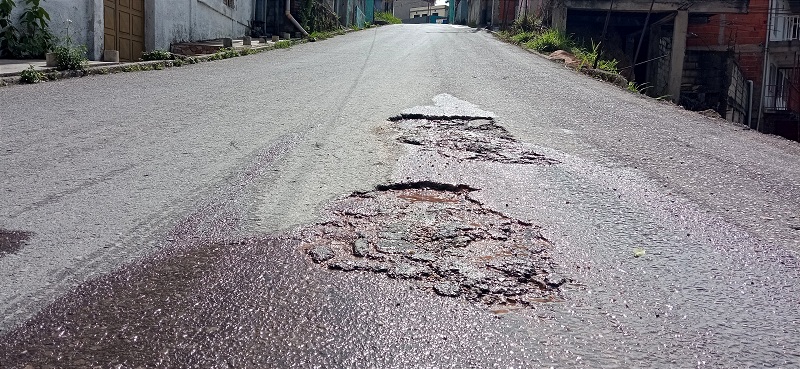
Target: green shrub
{"x":31,"y":75}
{"x":71,"y":57}
{"x":589,"y":56}
{"x":284,"y":44}
{"x":526,"y":24}
{"x":35,"y":38}
{"x":314,"y":36}
{"x":549,"y":41}
{"x":157,"y":55}
{"x":522,"y":37}
{"x":387,"y":17}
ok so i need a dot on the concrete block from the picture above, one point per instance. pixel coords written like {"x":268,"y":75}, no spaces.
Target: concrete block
{"x":286,"y":35}
{"x":276,"y":38}
{"x":227,"y":42}
{"x":247,"y":41}
{"x":50,"y":60}
{"x":111,"y":56}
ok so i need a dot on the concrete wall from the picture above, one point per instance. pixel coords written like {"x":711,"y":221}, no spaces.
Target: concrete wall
{"x":166,"y":21}
{"x":402,"y":8}
{"x":75,"y":20}
{"x":172,"y":21}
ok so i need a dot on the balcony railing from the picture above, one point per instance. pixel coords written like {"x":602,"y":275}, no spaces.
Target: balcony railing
{"x":786,"y":28}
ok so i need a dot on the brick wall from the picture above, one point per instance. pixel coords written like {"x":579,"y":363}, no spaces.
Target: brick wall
{"x":743,"y":33}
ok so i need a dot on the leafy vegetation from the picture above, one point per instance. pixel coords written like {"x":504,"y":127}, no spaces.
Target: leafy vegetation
{"x":31,"y":75}
{"x":283,"y":44}
{"x":69,"y":57}
{"x":316,"y":16}
{"x":638,"y":88}
{"x":526,"y":24}
{"x":529,"y":33}
{"x":8,"y":33}
{"x":33,"y":39}
{"x":157,"y":55}
{"x":550,"y":40}
{"x":388,"y":17}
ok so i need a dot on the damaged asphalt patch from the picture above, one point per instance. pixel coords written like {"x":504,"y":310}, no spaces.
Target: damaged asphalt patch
{"x":468,"y":139}
{"x":458,"y":129}
{"x":439,"y":237}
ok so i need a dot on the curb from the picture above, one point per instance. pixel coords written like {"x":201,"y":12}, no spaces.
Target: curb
{"x":179,"y":61}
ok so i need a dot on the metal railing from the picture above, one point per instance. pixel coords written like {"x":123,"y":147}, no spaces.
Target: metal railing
{"x":786,"y":28}
{"x":776,"y":98}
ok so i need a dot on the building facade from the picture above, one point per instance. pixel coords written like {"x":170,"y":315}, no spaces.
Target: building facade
{"x":133,"y":26}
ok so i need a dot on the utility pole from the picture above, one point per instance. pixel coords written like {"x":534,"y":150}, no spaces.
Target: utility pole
{"x":429,"y":11}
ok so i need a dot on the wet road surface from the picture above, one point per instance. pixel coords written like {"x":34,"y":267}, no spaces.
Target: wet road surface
{"x":389,"y":224}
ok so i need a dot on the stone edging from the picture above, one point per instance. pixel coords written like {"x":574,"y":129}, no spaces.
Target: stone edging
{"x":54,"y":75}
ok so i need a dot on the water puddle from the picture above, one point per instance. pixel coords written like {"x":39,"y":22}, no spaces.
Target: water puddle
{"x":439,"y":237}
{"x":468,"y":139}
{"x":12,"y":241}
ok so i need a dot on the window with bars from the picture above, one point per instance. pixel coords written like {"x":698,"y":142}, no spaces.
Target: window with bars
{"x":229,"y":3}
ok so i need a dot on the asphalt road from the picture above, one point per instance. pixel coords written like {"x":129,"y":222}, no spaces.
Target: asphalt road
{"x":166,"y":212}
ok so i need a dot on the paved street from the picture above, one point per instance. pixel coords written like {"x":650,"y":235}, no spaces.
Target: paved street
{"x":407,"y":196}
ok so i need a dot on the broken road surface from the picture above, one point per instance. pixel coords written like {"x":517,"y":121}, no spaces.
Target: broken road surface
{"x":502,"y":211}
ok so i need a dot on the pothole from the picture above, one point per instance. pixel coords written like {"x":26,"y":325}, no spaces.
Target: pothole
{"x":468,"y":139}
{"x":437,"y":236}
{"x":12,"y":241}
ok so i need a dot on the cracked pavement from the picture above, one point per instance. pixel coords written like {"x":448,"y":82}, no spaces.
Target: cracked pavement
{"x":170,"y":223}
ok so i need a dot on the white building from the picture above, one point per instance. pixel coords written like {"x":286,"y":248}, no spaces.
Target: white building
{"x":424,"y":11}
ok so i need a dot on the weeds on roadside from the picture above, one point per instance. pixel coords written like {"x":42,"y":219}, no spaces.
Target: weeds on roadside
{"x":71,"y":57}
{"x":284,"y":44}
{"x":388,"y":17}
{"x":638,"y":88}
{"x":588,"y":56}
{"x":549,"y":41}
{"x":31,"y":75}
{"x":157,"y":55}
{"x":529,"y":34}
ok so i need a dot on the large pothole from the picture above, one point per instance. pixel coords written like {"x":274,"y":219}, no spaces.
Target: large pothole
{"x":468,"y":139}
{"x":438,"y":236}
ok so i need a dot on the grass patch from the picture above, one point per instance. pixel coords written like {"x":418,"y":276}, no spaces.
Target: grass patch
{"x":549,"y":41}
{"x":284,"y":44}
{"x":530,"y":35}
{"x":387,"y":17}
